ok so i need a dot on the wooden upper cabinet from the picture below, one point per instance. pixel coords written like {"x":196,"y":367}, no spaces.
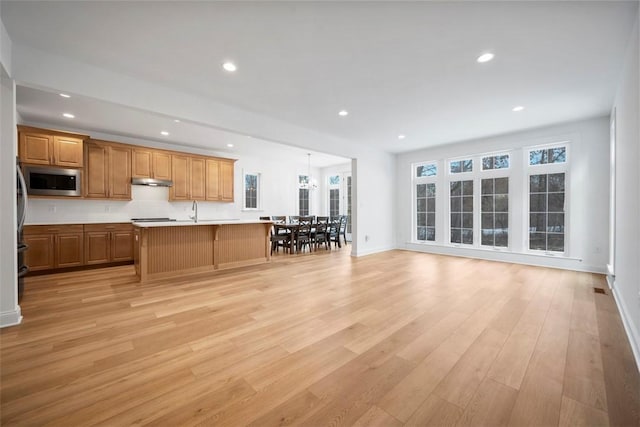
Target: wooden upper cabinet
{"x":97,"y":172}
{"x":219,"y":180}
{"x":198,"y":181}
{"x":67,"y":151}
{"x":35,"y":148}
{"x":180,"y":176}
{"x":226,"y":180}
{"x":141,"y":163}
{"x":120,"y":172}
{"x":212,"y":187}
{"x":43,"y":147}
{"x":150,"y":163}
{"x":108,"y":171}
{"x":161,"y":165}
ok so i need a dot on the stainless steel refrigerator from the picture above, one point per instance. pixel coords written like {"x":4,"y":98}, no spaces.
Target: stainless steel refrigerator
{"x":22,"y":201}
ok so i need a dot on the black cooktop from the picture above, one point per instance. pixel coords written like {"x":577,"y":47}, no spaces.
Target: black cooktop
{"x":152,"y":219}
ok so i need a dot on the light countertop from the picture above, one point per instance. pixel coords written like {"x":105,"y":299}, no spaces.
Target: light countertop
{"x":200,"y":222}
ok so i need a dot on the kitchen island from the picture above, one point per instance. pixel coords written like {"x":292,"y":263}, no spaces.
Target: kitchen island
{"x":173,"y":248}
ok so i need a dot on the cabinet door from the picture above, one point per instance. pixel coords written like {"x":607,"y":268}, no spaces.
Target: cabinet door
{"x":161,"y":165}
{"x":180,"y":177}
{"x":97,"y":171}
{"x":67,"y":151}
{"x":40,"y":255}
{"x":35,"y":148}
{"x":197,"y":171}
{"x":212,"y":186}
{"x":141,"y":163}
{"x":120,"y":173}
{"x":122,"y":245}
{"x":69,"y":250}
{"x":226,"y":181}
{"x":97,"y":247}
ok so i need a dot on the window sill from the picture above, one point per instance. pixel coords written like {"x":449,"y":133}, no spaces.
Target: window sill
{"x":494,"y":250}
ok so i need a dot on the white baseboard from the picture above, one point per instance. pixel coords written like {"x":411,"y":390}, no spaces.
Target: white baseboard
{"x":562,"y":263}
{"x":10,"y":318}
{"x":629,"y":327}
{"x":360,"y":253}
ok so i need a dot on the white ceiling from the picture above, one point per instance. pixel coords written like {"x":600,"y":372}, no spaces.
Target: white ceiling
{"x":397,"y":67}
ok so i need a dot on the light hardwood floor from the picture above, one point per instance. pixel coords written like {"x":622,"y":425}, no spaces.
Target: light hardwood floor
{"x":391,"y":339}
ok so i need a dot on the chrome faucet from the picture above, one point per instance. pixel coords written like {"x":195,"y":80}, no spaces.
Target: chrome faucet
{"x":194,"y":207}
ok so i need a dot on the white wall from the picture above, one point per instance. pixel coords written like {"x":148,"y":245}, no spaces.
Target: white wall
{"x":9,"y":308}
{"x":372,"y":180}
{"x":626,"y":284}
{"x":279,"y":192}
{"x":588,"y":194}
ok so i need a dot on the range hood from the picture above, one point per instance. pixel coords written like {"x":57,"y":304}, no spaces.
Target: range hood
{"x":152,"y":182}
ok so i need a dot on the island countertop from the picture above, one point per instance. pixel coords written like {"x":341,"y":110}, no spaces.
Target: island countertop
{"x":187,"y":223}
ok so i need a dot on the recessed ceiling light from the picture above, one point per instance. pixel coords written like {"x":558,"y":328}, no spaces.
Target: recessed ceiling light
{"x":64,"y":95}
{"x":343,"y":113}
{"x":176,"y":120}
{"x":401,"y":136}
{"x":518,"y":108}
{"x":229,"y":66}
{"x":485,"y":57}
{"x":230,"y":145}
{"x":165,"y":133}
{"x":69,"y":115}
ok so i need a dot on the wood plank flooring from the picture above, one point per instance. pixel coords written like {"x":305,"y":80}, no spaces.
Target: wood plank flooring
{"x":392,"y":339}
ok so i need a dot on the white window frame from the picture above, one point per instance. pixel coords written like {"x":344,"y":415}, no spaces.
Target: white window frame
{"x":415,"y":180}
{"x":545,"y":169}
{"x":258,"y":191}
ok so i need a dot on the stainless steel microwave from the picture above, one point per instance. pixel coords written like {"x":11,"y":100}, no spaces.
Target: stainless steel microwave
{"x":45,"y":181}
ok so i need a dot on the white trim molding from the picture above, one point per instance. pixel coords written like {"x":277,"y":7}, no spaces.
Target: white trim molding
{"x":629,"y":328}
{"x":11,"y":318}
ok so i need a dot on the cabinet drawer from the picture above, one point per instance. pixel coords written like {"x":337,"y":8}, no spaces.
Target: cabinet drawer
{"x":30,"y":230}
{"x":117,"y":226}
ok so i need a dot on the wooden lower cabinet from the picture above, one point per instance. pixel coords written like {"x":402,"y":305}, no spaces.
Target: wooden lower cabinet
{"x":54,"y":246}
{"x":61,"y":246}
{"x":105,"y":243}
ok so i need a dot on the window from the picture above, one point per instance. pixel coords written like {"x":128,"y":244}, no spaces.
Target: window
{"x":334,"y":202}
{"x":426,"y":170}
{"x":546,"y":156}
{"x":424,"y":177}
{"x":495,"y":212}
{"x":251,"y":190}
{"x":460,"y":166}
{"x":303,"y":201}
{"x":495,"y":162}
{"x":334,"y":195}
{"x":546,"y":212}
{"x":461,"y":198}
{"x":303,"y":195}
{"x":426,"y":211}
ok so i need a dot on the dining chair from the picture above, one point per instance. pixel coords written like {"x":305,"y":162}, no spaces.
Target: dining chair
{"x":293,"y":219}
{"x":333,"y":232}
{"x":324,"y":219}
{"x":303,"y":236}
{"x":343,"y":228}
{"x":320,"y":235}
